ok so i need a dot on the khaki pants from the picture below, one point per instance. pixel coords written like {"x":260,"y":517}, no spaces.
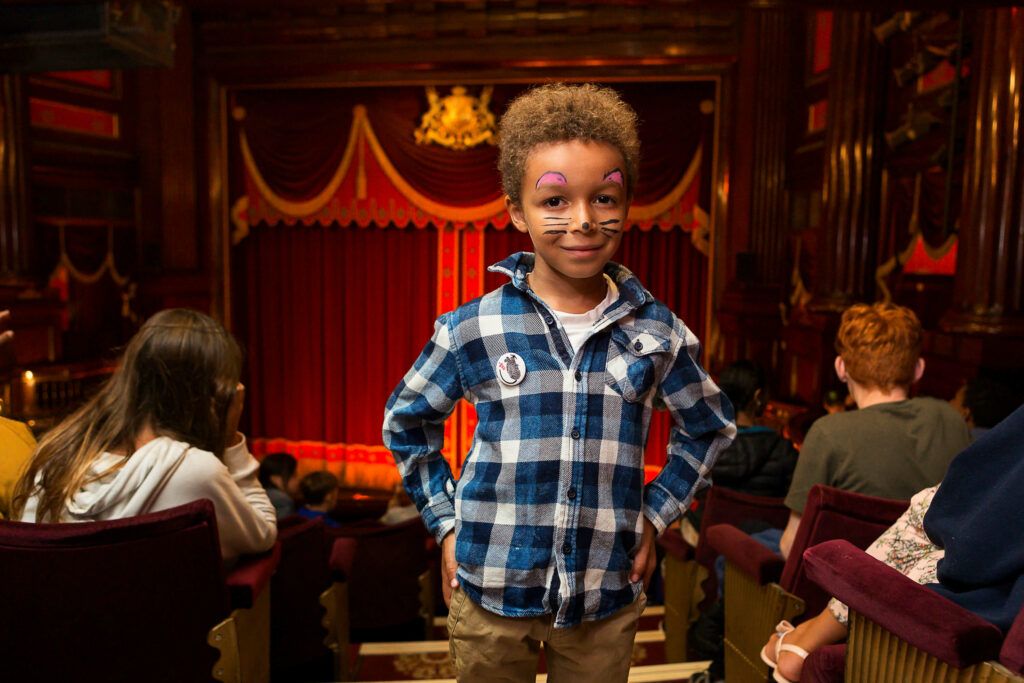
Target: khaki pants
{"x":486,"y":647}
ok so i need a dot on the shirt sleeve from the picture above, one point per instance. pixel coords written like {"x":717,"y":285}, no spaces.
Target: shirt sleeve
{"x":246,"y":521}
{"x":702,"y":427}
{"x":414,"y":429}
{"x":814,"y":465}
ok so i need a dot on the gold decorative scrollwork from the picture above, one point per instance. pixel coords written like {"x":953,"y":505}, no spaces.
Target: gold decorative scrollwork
{"x":458,"y":121}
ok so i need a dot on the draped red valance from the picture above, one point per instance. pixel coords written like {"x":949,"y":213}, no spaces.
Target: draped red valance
{"x":350,"y":156}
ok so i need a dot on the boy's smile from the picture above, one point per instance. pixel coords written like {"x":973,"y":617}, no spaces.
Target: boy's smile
{"x":574,"y":208}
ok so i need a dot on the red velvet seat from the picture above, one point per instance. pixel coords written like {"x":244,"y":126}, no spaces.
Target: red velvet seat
{"x":825,"y":665}
{"x":903,"y":631}
{"x":297,"y":647}
{"x":691,"y":583}
{"x":762,"y":588}
{"x":130,"y":600}
{"x":386,"y":577}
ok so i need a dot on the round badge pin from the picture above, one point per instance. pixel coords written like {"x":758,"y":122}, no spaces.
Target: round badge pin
{"x":511,"y":369}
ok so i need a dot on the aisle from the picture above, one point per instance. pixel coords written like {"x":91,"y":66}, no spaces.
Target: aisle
{"x":428,"y":662}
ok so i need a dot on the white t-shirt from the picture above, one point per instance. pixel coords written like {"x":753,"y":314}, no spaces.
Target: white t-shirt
{"x":578,"y":325}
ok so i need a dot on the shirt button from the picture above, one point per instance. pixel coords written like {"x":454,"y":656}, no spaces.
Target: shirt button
{"x":567,"y":548}
{"x":638,"y":346}
{"x":571,"y":494}
{"x":578,"y":375}
{"x":549,"y":320}
{"x":575,"y":433}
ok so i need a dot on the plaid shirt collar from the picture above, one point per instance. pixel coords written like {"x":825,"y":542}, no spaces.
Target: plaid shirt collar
{"x":631,"y":292}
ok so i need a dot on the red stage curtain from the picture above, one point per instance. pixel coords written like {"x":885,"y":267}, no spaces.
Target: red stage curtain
{"x":332,"y":318}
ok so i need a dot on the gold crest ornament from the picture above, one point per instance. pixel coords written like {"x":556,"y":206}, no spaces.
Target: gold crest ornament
{"x":458,"y":121}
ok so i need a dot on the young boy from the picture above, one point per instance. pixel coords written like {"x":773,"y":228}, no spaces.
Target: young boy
{"x":892,"y":446}
{"x":549,"y":534}
{"x":320,"y":493}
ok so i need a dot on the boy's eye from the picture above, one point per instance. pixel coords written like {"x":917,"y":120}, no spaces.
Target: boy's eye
{"x":604,"y":199}
{"x":553,"y":202}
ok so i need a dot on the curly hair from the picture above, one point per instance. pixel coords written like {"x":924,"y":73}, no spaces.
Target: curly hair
{"x":559,"y":113}
{"x":880,"y":345}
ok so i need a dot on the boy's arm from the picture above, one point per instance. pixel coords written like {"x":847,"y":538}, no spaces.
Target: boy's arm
{"x":414,"y":429}
{"x":703,"y":426}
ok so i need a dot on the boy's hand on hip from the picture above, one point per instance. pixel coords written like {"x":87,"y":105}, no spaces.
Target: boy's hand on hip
{"x":646,"y":557}
{"x":448,"y":568}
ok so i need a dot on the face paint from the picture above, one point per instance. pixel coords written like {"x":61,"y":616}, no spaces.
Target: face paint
{"x":551,"y":178}
{"x":606,"y":226}
{"x":615,"y":176}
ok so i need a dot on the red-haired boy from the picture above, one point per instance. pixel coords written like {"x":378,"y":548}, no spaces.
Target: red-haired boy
{"x":892,"y":446}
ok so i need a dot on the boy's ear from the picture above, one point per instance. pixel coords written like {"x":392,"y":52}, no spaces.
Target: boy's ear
{"x":841,"y":369}
{"x":515,"y":212}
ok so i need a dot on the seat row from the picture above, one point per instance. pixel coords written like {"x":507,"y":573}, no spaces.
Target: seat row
{"x":148,"y":598}
{"x":900,"y":631}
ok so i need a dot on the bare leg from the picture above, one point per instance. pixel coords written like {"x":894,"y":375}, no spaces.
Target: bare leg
{"x":822,"y":630}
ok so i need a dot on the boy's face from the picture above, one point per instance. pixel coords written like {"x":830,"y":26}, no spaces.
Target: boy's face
{"x":573,"y":207}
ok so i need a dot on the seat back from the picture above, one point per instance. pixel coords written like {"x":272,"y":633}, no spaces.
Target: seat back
{"x":1011,"y":655}
{"x":297,"y":633}
{"x":832,"y":513}
{"x":123,"y":600}
{"x":727,"y":506}
{"x":384,"y":589}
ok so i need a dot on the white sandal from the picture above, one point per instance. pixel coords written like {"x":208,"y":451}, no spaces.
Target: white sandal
{"x":782,"y":629}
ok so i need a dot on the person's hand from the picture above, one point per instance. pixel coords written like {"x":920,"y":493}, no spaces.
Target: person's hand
{"x":646,"y":557}
{"x":448,"y":568}
{"x":232,"y":436}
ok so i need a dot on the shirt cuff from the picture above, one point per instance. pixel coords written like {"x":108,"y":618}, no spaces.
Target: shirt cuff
{"x":440,"y":517}
{"x":238,"y":456}
{"x":446,"y":527}
{"x":660,"y":508}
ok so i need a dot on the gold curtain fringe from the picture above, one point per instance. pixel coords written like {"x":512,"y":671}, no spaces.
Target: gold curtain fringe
{"x":107,"y":266}
{"x":361,"y":131}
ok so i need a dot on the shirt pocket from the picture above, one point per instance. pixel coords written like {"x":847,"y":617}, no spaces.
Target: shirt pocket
{"x":633,"y":360}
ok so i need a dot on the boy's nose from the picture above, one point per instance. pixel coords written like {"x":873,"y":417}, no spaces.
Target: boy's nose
{"x":583,"y":221}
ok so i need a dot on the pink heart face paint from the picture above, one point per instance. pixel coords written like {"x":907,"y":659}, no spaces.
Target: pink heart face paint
{"x":551,"y":178}
{"x":615,"y":176}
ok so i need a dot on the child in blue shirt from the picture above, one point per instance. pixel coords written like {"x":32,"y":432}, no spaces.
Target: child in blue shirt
{"x":320,"y":495}
{"x":548,"y":535}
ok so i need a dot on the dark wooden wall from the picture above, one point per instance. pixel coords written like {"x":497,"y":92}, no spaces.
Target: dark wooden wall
{"x":813,"y":227}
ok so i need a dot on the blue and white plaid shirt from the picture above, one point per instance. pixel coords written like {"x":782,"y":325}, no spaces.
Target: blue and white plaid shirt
{"x":547,"y":512}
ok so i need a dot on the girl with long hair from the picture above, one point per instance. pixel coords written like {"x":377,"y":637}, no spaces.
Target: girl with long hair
{"x":161,"y":432}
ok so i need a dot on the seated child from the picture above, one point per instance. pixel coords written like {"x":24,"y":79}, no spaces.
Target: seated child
{"x":277,"y":475}
{"x":760,"y":461}
{"x":400,"y":508}
{"x":892,"y":446}
{"x":161,"y":432}
{"x":988,"y":398}
{"x":320,"y":493}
